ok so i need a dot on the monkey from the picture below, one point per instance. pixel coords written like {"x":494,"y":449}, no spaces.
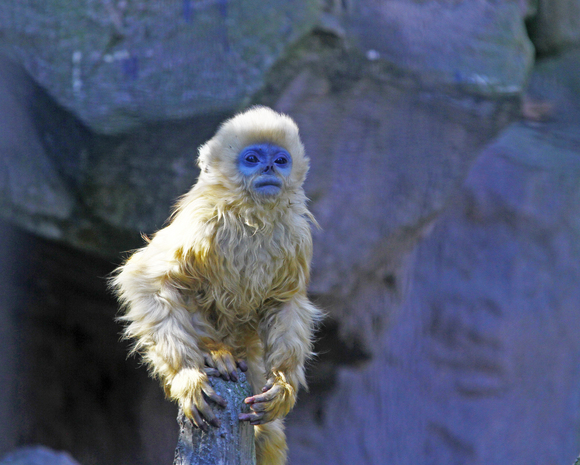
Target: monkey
{"x":224,"y":284}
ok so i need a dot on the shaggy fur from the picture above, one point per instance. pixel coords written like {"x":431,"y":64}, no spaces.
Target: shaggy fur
{"x":227,"y":279}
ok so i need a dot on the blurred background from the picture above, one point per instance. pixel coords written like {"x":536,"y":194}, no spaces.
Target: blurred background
{"x":445,"y":145}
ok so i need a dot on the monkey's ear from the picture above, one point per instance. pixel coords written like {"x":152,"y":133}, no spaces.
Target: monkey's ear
{"x":202,"y":157}
{"x":208,"y":156}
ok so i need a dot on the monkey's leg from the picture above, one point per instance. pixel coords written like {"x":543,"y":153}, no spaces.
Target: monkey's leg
{"x":271,"y":446}
{"x":270,"y":439}
{"x":287,"y":337}
{"x":218,"y":356}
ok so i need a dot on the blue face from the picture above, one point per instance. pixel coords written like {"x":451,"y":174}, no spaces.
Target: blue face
{"x":267,"y":165}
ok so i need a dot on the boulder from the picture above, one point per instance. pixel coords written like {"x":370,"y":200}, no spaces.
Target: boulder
{"x":31,"y":186}
{"x":45,"y":165}
{"x":555,"y":26}
{"x":479,"y":45}
{"x":117,"y":64}
{"x":37,"y":455}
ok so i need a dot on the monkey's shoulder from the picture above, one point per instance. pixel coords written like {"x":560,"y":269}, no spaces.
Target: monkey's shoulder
{"x":211,"y":245}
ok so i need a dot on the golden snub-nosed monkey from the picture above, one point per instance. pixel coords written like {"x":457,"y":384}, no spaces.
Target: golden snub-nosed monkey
{"x":224,"y":284}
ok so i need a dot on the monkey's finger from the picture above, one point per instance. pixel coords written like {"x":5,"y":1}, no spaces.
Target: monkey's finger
{"x":211,"y":372}
{"x":227,"y":365}
{"x":259,"y":407}
{"x":212,"y":395}
{"x":267,"y":396}
{"x":251,"y":417}
{"x":208,"y":360}
{"x":268,"y":385}
{"x":198,"y":420}
{"x":207,"y":413}
{"x":191,"y":412}
{"x":232,"y":369}
{"x":220,"y":364}
{"x":242,"y":365}
{"x":265,"y":419}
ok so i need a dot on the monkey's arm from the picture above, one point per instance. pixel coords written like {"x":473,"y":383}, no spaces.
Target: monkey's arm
{"x":287,"y":336}
{"x":162,"y":329}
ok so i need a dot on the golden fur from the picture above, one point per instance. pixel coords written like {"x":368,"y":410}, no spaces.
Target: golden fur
{"x":226,"y":280}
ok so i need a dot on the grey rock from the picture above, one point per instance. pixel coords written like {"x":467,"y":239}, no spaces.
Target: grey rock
{"x":131,"y":187}
{"x":30,"y":184}
{"x":555,"y":26}
{"x":480,"y":45}
{"x":37,"y":455}
{"x":45,"y":166}
{"x":117,"y":64}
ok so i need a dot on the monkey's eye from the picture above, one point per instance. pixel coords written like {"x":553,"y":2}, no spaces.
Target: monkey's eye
{"x":281,"y":161}
{"x":250,"y":158}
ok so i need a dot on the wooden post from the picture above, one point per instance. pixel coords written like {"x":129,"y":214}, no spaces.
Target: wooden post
{"x":230,"y":444}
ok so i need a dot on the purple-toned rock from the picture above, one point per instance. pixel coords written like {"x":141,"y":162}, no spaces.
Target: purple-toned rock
{"x":120,"y":64}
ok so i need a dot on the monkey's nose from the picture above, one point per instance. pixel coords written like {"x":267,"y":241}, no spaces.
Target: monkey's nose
{"x":268,"y":168}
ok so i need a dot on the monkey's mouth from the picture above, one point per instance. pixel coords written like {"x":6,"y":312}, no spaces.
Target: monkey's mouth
{"x":268,"y":183}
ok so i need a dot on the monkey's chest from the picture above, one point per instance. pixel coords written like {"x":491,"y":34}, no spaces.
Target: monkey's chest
{"x":247,"y":272}
{"x":247,"y":285}
{"x":254,"y":278}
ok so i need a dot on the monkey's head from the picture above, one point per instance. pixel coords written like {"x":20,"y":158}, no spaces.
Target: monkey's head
{"x":257,"y":155}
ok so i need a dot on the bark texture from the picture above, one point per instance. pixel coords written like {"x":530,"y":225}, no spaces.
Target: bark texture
{"x":230,"y":444}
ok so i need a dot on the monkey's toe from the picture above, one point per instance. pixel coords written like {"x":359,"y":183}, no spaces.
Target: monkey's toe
{"x":211,"y":372}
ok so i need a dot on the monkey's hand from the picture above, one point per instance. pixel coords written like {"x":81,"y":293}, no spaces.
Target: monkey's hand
{"x":277,"y":399}
{"x":191,"y":389}
{"x":220,"y":362}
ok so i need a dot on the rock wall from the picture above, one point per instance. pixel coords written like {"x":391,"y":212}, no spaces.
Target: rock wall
{"x":444,"y":167}
{"x":480,"y":363}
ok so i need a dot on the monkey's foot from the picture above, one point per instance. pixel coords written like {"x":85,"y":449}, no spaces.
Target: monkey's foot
{"x":220,"y":362}
{"x":191,"y":389}
{"x":277,"y":399}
